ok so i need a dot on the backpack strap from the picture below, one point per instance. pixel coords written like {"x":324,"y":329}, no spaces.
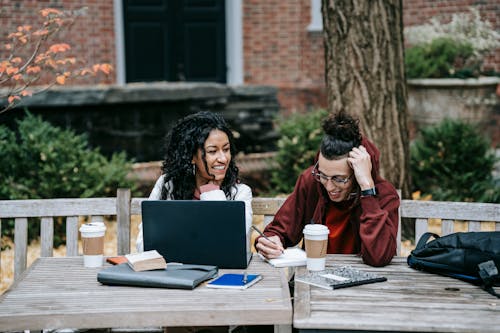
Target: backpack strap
{"x":423,"y":240}
{"x":488,"y":273}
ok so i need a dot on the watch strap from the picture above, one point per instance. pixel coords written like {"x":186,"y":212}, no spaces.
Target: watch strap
{"x":369,"y":192}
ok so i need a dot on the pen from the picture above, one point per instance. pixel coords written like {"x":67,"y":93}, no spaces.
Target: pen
{"x":262,"y":234}
{"x":245,"y":277}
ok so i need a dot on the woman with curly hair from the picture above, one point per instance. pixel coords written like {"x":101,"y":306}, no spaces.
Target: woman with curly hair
{"x":199,"y":165}
{"x":344,"y":191}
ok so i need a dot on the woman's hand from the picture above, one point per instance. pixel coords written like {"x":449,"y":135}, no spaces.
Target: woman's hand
{"x":269,"y":248}
{"x":360,"y":161}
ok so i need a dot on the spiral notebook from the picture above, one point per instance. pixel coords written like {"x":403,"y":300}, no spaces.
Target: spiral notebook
{"x":338,"y":277}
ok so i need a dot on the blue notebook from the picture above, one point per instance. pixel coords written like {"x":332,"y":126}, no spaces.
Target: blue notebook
{"x":234,"y":281}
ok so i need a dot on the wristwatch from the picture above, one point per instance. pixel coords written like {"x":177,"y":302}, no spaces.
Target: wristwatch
{"x":369,"y":192}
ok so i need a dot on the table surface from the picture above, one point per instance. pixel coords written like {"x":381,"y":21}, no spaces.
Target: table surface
{"x":409,"y":301}
{"x":61,"y":293}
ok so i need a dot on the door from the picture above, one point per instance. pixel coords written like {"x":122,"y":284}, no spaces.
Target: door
{"x":175,"y":40}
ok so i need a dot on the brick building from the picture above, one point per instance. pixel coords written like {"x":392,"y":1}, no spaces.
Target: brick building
{"x":265,"y":42}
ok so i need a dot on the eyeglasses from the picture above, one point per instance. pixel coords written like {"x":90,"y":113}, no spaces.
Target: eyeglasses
{"x":323,"y":179}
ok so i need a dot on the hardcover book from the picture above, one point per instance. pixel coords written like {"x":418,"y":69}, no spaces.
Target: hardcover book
{"x":234,"y":281}
{"x":338,"y":277}
{"x":145,"y":261}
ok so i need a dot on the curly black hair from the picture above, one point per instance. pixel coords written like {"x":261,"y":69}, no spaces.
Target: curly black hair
{"x":341,"y":135}
{"x":181,"y":143}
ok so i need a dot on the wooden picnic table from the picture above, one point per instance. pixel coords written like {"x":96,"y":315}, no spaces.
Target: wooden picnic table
{"x":409,"y":301}
{"x":61,"y":293}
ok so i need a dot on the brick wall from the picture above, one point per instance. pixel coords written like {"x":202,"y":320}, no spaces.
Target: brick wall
{"x":91,"y":37}
{"x":278,"y":50}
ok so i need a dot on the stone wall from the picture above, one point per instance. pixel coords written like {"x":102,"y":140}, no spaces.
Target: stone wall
{"x":136,"y":117}
{"x":472,"y":100}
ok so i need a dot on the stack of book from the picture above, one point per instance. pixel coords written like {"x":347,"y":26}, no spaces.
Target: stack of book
{"x":145,"y":261}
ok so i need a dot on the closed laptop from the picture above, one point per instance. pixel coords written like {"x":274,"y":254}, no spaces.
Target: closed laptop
{"x":197,"y":232}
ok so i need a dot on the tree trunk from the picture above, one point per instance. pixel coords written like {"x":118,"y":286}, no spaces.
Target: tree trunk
{"x":365,"y":76}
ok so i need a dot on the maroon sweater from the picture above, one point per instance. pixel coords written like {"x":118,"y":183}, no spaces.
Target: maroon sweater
{"x":374,"y":219}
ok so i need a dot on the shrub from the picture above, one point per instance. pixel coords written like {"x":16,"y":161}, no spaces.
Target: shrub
{"x":43,"y":161}
{"x":465,"y":30}
{"x":442,"y":57}
{"x":300,"y":136}
{"x":451,"y":161}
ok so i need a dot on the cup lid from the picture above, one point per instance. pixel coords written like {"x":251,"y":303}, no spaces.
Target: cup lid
{"x":316,"y":229}
{"x":93,"y":227}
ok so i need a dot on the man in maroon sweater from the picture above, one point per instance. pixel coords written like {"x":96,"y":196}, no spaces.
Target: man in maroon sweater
{"x":344,"y":191}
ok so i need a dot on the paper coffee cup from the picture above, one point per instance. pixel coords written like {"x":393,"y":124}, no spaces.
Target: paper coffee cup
{"x":316,"y":241}
{"x":93,"y":243}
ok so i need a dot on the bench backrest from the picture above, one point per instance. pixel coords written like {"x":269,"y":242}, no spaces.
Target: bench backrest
{"x":123,"y":206}
{"x":70,"y":209}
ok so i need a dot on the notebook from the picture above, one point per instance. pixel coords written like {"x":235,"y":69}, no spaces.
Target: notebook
{"x":197,"y":232}
{"x":338,"y":277}
{"x":234,"y":281}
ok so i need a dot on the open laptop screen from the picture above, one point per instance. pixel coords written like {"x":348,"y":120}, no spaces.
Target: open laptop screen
{"x":197,"y":232}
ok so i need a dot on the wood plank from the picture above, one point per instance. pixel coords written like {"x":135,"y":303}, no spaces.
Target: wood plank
{"x":447,"y":227}
{"x":20,"y":245}
{"x":474,"y":226}
{"x":61,"y":293}
{"x":410,"y":300}
{"x":266,"y":206}
{"x":123,"y":201}
{"x":47,"y":237}
{"x":451,"y":210}
{"x":420,"y":228}
{"x":57,"y":207}
{"x":136,"y":206}
{"x":72,"y":236}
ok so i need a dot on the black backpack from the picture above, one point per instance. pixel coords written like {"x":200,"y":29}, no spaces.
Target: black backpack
{"x":470,"y":256}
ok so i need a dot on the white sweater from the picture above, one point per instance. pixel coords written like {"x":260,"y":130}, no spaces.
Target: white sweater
{"x":241,"y":192}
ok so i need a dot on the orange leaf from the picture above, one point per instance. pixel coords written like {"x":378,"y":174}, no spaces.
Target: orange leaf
{"x":61,"y":79}
{"x":26,"y":93}
{"x":12,"y":70}
{"x":47,"y":11}
{"x":33,"y":69}
{"x":16,"y":60}
{"x":8,"y":46}
{"x":11,"y":99}
{"x":62,"y":47}
{"x":41,"y":32}
{"x":106,"y":68}
{"x":17,"y":77}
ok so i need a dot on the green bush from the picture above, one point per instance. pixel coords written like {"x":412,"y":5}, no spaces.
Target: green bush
{"x":300,"y":136}
{"x":453,"y":162}
{"x":441,"y":58}
{"x":42,"y":161}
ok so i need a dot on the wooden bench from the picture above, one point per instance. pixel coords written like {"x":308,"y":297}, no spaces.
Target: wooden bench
{"x":474,"y":213}
{"x":123,"y":206}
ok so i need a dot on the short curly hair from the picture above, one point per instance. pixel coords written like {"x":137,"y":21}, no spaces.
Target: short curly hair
{"x":181,"y":143}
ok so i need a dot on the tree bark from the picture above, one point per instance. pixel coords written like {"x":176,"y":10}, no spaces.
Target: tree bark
{"x":365,"y":77}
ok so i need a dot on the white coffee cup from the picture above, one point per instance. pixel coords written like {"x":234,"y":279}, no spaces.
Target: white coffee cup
{"x":93,"y":243}
{"x":316,"y":242}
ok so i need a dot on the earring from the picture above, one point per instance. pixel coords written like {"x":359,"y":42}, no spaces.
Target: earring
{"x":194,"y":169}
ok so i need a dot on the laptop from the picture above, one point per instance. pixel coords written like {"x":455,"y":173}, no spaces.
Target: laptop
{"x":197,"y":232}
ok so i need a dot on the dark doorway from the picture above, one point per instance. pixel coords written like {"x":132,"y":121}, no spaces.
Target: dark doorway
{"x":175,"y":40}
